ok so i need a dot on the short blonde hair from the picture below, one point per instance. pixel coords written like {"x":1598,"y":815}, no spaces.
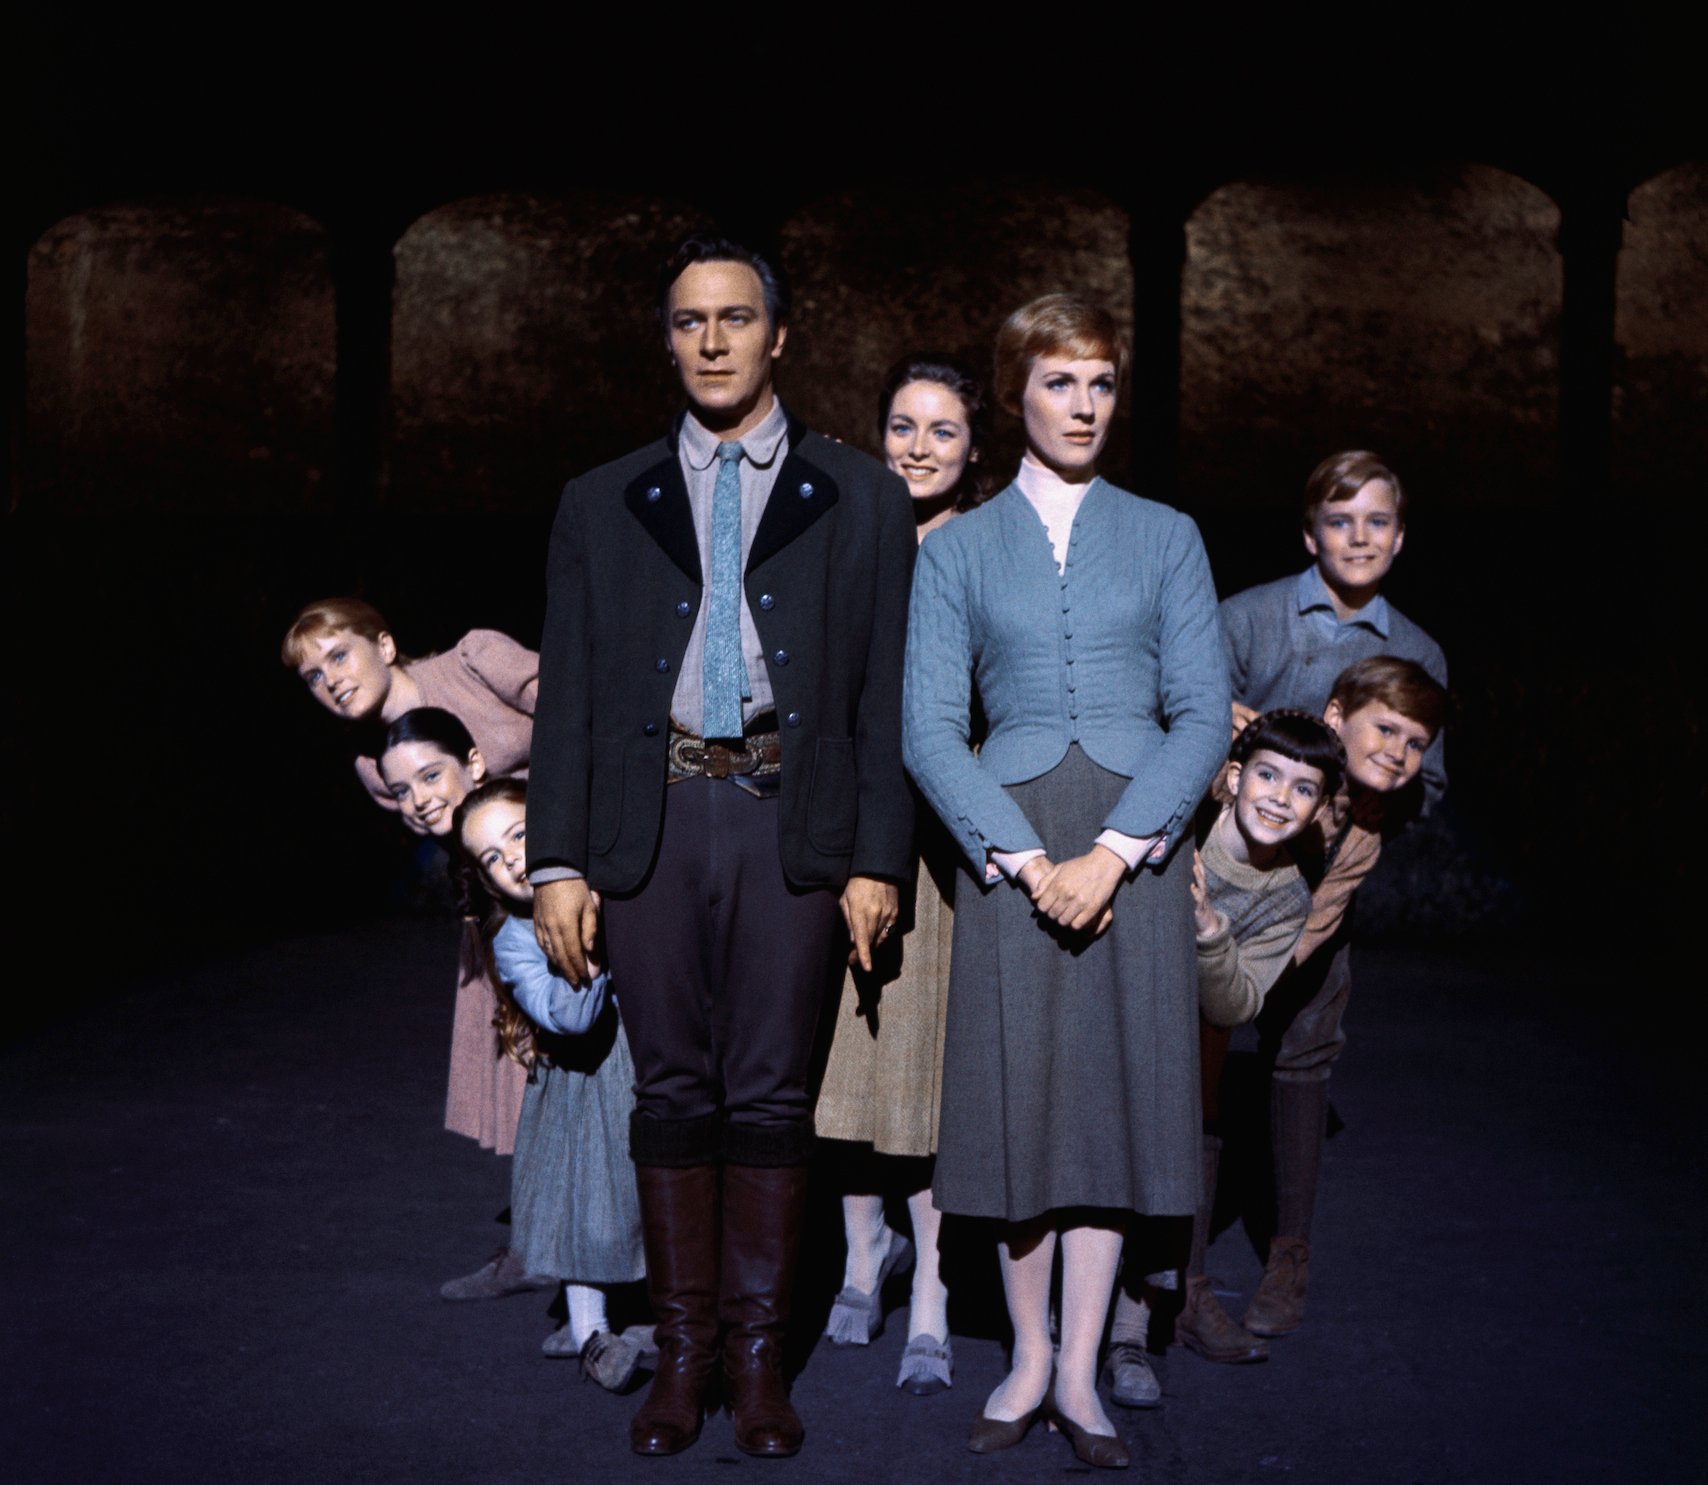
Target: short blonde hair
{"x":1053,"y":325}
{"x":330,"y":616}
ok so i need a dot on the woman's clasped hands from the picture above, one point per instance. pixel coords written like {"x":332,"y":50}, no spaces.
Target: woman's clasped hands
{"x":1075,"y":894}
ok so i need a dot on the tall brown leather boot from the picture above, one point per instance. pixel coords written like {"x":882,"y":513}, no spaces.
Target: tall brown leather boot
{"x":679,"y":1226}
{"x":763,"y":1208}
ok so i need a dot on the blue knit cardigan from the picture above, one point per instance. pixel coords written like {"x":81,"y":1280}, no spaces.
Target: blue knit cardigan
{"x":1120,"y":653}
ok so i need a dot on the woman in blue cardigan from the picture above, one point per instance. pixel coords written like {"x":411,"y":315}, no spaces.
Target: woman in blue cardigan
{"x":1086,"y":619}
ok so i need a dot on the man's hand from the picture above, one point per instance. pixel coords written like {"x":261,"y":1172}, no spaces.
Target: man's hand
{"x":1243,"y":716}
{"x":1076,"y":893}
{"x":566,"y":923}
{"x":870,"y":908}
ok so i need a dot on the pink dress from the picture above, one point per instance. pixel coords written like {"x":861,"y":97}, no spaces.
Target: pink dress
{"x":488,"y":683}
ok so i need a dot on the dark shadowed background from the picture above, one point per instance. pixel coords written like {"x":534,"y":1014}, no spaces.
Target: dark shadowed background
{"x":299,"y":315}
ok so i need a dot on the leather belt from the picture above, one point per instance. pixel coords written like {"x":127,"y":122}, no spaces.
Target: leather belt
{"x":760,"y":756}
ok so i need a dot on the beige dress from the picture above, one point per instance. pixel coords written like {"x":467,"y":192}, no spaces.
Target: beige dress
{"x":885,"y":1074}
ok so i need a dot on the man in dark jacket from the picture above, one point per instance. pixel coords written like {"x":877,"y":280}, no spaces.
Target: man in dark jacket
{"x":716,"y":769}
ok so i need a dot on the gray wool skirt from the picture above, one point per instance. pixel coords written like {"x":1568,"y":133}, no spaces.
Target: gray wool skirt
{"x":574,"y":1209}
{"x":1070,"y":1066}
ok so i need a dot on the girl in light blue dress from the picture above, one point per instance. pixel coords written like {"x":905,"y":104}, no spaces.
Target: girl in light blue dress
{"x":574,"y":1211}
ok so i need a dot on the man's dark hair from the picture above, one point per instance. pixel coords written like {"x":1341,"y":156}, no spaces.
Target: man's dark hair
{"x":709,"y":247}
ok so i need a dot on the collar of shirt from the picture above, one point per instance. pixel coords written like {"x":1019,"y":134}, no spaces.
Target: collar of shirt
{"x":758,"y":446}
{"x":1314,"y":594}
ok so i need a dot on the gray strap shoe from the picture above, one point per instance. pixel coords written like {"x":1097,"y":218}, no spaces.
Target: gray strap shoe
{"x":927,"y":1366}
{"x":857,"y":1317}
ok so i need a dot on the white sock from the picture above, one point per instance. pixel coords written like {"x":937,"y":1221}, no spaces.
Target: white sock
{"x":586,"y":1312}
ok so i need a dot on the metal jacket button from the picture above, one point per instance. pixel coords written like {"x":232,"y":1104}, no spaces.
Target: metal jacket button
{"x":806,"y":491}
{"x":766,"y":601}
{"x":661,"y":665}
{"x":650,"y":729}
{"x":793,"y":719}
{"x":781,"y":657}
{"x":654,"y":493}
{"x":683,"y":608}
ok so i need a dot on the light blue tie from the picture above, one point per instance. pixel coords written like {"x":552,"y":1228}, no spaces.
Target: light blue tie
{"x":725,"y":669}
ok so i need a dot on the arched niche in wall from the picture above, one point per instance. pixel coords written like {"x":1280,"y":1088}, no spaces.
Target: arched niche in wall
{"x":525,"y":346}
{"x":180,"y":358}
{"x":1417,"y":315}
{"x":881,"y":272}
{"x":1660,"y":394}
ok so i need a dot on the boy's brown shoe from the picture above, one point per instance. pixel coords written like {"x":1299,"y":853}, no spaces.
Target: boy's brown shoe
{"x":1205,"y":1327}
{"x":1278,"y":1307}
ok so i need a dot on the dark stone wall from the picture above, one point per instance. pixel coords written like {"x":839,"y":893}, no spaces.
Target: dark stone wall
{"x":1414,"y":314}
{"x":524,"y":345}
{"x":1660,"y":394}
{"x":883,"y":272}
{"x":180,"y":358}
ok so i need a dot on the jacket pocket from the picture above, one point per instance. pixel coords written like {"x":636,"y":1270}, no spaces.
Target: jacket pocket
{"x":605,"y":795}
{"x":833,"y":798}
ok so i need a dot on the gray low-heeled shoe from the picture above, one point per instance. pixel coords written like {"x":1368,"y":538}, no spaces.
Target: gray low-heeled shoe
{"x":1132,"y":1380}
{"x":500,"y":1276}
{"x":610,"y":1360}
{"x":857,"y":1317}
{"x":927,"y":1366}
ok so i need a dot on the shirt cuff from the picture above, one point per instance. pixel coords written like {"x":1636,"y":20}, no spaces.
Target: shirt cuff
{"x":1008,"y":863}
{"x":554,"y":874}
{"x":1133,"y":849}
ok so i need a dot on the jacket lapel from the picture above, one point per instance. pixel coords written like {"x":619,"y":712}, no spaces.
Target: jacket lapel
{"x":802,"y":493}
{"x":658,"y":499}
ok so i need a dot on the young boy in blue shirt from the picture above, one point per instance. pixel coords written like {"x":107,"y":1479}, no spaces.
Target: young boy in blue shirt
{"x":1288,"y":641}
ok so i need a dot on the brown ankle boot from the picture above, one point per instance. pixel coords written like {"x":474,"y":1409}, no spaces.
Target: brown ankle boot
{"x":1205,"y":1327}
{"x":763,"y":1207}
{"x":1278,"y":1307}
{"x":679,"y":1226}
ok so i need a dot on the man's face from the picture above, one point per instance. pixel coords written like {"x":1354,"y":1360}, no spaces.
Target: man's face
{"x":721,"y":341}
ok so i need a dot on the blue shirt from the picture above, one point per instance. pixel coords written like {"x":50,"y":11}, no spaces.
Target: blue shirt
{"x":546,"y":998}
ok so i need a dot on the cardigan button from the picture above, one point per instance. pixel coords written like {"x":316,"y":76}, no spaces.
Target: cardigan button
{"x":793,"y":719}
{"x":781,"y":657}
{"x":650,"y":729}
{"x":661,"y":665}
{"x":683,"y":608}
{"x":654,"y":494}
{"x":767,"y":601}
{"x":806,"y":491}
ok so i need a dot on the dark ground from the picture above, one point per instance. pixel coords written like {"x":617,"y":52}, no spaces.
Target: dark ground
{"x":228,"y":1206}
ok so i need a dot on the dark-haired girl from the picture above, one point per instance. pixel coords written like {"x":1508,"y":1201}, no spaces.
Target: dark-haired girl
{"x":885,"y":1071}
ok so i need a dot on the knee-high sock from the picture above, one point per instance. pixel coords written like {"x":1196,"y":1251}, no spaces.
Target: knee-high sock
{"x":1206,"y":1205}
{"x":1298,"y":1124}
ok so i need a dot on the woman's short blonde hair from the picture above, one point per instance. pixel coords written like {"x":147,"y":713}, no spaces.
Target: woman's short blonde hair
{"x":1053,"y":325}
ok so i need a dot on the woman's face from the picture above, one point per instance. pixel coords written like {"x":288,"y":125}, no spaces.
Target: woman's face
{"x":1067,"y":406}
{"x":927,"y":439}
{"x":495,"y":835}
{"x":428,"y":783}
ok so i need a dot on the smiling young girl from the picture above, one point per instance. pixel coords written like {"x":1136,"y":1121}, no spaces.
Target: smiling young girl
{"x":575,"y":1214}
{"x":885,"y":1072}
{"x":343,"y":650}
{"x":427,"y":766}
